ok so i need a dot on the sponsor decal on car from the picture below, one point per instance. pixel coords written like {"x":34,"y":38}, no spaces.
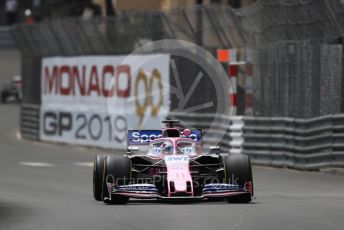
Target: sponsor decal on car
{"x":176,"y":159}
{"x":144,"y":137}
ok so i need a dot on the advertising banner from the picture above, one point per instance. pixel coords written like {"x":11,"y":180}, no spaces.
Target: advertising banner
{"x":94,"y":100}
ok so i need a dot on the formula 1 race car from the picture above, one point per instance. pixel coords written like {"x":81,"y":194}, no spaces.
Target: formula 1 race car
{"x":12,"y":89}
{"x":169,"y":164}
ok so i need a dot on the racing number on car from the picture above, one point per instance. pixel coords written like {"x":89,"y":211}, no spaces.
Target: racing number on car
{"x":180,"y":176}
{"x":148,"y":83}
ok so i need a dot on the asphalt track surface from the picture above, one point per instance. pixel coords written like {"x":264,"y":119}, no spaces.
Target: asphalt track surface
{"x":45,"y":186}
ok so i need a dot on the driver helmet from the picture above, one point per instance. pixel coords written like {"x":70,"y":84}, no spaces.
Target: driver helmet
{"x":168,"y":148}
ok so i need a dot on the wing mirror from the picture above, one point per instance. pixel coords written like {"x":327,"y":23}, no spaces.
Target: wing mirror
{"x":132,"y":149}
{"x":214,"y":149}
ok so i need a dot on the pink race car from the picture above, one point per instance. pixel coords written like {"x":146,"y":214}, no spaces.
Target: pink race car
{"x":170,"y":164}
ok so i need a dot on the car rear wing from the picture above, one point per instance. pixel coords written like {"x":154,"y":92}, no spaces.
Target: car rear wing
{"x":144,"y":137}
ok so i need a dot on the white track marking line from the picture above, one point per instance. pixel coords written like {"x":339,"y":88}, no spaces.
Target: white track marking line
{"x":18,"y":135}
{"x":84,"y":164}
{"x":36,"y":164}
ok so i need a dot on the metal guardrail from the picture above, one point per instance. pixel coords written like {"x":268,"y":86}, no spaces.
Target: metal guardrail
{"x":305,"y":144}
{"x":30,"y":121}
{"x":308,"y":144}
{"x":6,"y":38}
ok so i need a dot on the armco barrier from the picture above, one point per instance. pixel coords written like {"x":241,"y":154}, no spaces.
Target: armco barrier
{"x":6,"y":38}
{"x":30,"y":121}
{"x":308,"y":144}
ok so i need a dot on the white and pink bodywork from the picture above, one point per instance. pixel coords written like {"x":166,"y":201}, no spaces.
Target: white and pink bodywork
{"x":176,"y":168}
{"x":178,"y":175}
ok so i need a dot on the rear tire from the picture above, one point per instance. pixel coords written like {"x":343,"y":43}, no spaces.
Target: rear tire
{"x":238,"y":171}
{"x":117,"y":168}
{"x":98,"y":171}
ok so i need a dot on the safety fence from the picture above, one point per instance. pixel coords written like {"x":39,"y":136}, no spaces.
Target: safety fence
{"x":298,"y":64}
{"x":269,"y":21}
{"x":301,"y":79}
{"x":208,"y":27}
{"x":297,"y":46}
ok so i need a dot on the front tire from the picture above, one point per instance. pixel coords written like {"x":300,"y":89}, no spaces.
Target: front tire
{"x":238,"y":171}
{"x":117,"y":168}
{"x":98,"y":171}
